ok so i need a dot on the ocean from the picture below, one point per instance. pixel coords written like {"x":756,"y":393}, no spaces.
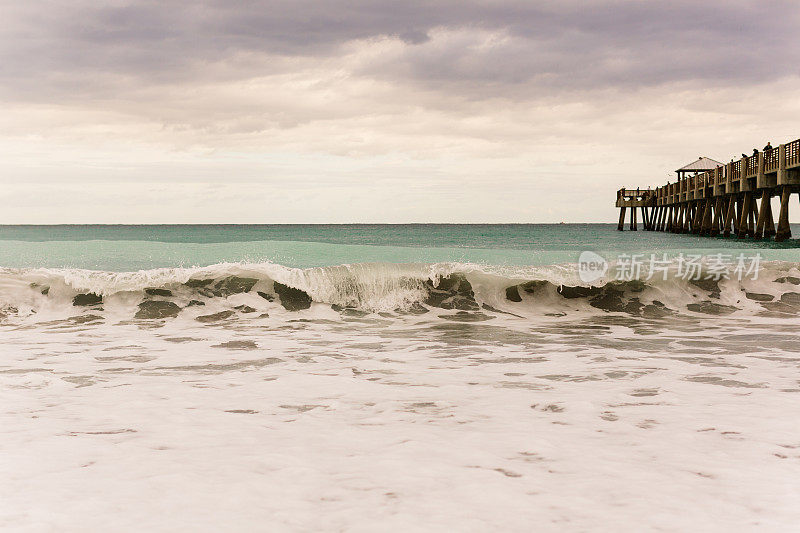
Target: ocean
{"x":423,"y":377}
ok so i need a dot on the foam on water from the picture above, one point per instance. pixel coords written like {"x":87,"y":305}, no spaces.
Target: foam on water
{"x":313,"y":420}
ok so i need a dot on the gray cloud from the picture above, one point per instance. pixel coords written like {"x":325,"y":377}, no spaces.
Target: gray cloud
{"x":485,"y":107}
{"x":57,"y":49}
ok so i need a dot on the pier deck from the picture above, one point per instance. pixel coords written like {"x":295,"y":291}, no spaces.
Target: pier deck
{"x":732,"y":198}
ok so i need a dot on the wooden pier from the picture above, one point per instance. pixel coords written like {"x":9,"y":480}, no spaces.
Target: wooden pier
{"x":720,"y":199}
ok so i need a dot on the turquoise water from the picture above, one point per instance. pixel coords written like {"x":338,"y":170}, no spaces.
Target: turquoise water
{"x":142,"y":247}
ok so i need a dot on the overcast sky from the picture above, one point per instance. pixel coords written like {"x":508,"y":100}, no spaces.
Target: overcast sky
{"x":378,"y":111}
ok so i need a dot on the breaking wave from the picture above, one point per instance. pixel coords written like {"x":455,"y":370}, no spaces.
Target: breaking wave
{"x":365,"y":288}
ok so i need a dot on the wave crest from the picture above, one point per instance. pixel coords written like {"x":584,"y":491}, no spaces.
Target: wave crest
{"x":390,"y":287}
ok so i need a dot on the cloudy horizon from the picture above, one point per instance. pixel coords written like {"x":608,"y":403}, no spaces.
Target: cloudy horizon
{"x":310,"y":112}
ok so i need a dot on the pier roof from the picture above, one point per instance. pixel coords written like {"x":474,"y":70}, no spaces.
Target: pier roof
{"x":701,"y":165}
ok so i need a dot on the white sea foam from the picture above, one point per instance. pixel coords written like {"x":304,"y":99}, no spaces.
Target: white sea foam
{"x":571,"y":413}
{"x":592,"y":421}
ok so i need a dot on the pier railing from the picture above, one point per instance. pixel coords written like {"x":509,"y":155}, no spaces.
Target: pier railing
{"x":793,"y":153}
{"x":752,"y":166}
{"x":771,"y":160}
{"x":774,"y":161}
{"x":736,"y":169}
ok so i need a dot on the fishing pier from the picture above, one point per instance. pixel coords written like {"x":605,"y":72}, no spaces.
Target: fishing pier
{"x":711,"y":198}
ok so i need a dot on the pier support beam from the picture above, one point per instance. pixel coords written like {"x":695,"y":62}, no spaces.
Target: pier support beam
{"x":697,"y":219}
{"x":784,"y":232}
{"x":739,"y":208}
{"x":744,"y":215}
{"x":705,"y":227}
{"x":688,"y":216}
{"x":683,"y":218}
{"x":751,"y":219}
{"x":769,"y":226}
{"x":621,"y":224}
{"x":676,"y":218}
{"x":716,"y":225}
{"x":729,"y":216}
{"x":762,"y":215}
